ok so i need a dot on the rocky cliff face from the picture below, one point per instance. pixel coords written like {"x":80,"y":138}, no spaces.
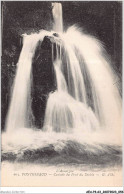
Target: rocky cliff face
{"x":44,"y":80}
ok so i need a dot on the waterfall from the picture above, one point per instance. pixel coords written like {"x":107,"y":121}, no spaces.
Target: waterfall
{"x":105,"y":93}
{"x":57,"y":16}
{"x":20,"y":113}
{"x":65,"y":112}
{"x":86,"y":98}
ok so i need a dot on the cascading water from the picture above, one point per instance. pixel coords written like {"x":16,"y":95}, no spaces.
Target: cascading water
{"x":20,"y":113}
{"x":86,"y":98}
{"x":75,"y":66}
{"x":57,"y":16}
{"x":82,"y":63}
{"x":65,"y":112}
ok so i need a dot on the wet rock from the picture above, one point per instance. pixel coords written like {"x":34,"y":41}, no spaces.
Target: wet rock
{"x":44,"y":80}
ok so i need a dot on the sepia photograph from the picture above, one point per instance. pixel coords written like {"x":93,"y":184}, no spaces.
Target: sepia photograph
{"x":61,"y":94}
